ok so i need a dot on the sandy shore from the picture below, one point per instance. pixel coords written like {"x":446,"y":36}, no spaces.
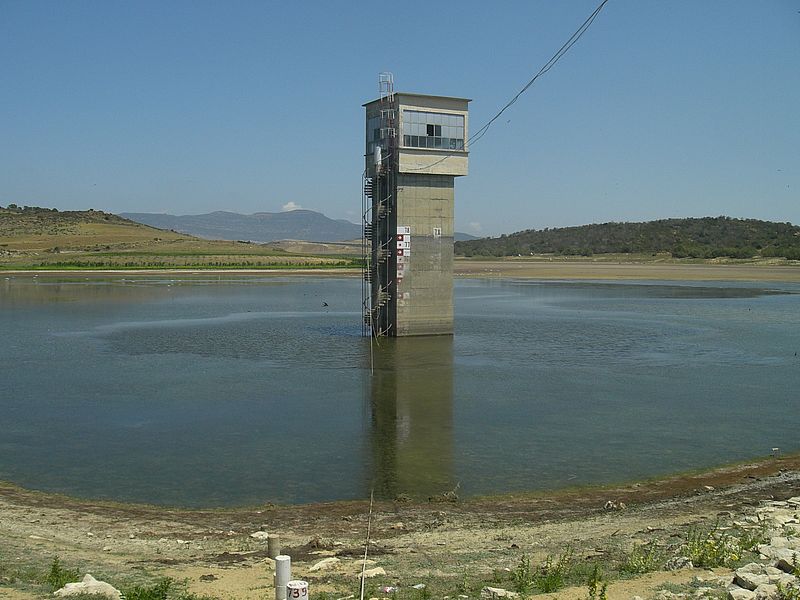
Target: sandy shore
{"x":453,"y":547}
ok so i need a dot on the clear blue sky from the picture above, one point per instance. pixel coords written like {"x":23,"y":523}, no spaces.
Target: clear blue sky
{"x":663,"y":109}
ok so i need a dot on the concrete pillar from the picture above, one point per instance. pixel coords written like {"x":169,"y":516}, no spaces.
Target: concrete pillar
{"x":283,"y":574}
{"x":273,"y":546}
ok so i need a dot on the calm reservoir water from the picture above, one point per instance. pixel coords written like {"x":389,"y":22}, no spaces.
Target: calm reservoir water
{"x":210,"y":390}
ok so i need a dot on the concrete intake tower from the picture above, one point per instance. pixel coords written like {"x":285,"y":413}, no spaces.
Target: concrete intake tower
{"x":415,"y":148}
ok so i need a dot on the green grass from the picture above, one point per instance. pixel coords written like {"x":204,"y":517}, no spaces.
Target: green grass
{"x":100,"y":266}
{"x":44,"y":581}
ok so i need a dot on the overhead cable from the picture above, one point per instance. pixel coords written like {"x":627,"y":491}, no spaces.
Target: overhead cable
{"x":545,"y":68}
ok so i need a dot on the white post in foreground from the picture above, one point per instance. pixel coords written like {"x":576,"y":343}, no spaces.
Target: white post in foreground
{"x":297,"y":590}
{"x":283,"y":574}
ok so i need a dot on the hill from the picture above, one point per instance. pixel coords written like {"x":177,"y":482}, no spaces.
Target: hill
{"x":31,"y":228}
{"x":707,"y":237}
{"x":304,"y":225}
{"x":37,"y":238}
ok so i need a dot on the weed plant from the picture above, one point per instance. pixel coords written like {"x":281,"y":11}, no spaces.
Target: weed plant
{"x":522,"y":576}
{"x":751,"y":537}
{"x":58,"y":576}
{"x":597,"y":587}
{"x":551,"y":576}
{"x":712,"y":547}
{"x":643,"y":558}
{"x":157,"y":591}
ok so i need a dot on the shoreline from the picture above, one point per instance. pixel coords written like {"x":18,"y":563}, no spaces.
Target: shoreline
{"x":540,"y":269}
{"x":659,"y":486}
{"x":445,"y":545}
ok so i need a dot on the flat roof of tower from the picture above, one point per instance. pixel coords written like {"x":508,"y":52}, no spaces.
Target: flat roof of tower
{"x":411,"y":95}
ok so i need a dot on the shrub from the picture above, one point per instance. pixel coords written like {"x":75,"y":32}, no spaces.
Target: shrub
{"x":597,"y":587}
{"x":157,"y":591}
{"x":58,"y":576}
{"x":642,"y":559}
{"x":522,"y":576}
{"x":711,"y":547}
{"x":550,"y":576}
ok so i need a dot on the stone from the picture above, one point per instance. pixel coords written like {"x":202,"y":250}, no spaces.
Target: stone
{"x":678,"y":562}
{"x":374,"y":572}
{"x":753,"y":567}
{"x":766,"y":591}
{"x":492,"y":593}
{"x":773,"y":552}
{"x":784,"y":558}
{"x":779,"y":542}
{"x":749,"y":581}
{"x":667,"y":595}
{"x":325,"y":563}
{"x":261,"y":536}
{"x":785,"y":580}
{"x":738,"y":593}
{"x":783,"y":516}
{"x":89,"y":587}
{"x":787,"y":564}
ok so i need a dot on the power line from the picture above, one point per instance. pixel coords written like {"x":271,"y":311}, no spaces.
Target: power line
{"x":573,"y":39}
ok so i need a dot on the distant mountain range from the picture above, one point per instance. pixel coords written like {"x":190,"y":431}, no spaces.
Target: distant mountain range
{"x":706,"y":237}
{"x":305,"y":225}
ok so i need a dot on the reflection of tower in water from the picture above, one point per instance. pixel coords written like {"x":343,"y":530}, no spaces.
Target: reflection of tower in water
{"x":411,"y":406}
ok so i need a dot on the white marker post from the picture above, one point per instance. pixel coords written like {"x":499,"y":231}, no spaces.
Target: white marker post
{"x":283,"y":574}
{"x":297,"y":590}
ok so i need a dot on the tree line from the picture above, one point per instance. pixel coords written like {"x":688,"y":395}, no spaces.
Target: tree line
{"x":707,"y":237}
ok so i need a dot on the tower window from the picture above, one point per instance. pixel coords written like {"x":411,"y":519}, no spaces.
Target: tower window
{"x":443,"y":131}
